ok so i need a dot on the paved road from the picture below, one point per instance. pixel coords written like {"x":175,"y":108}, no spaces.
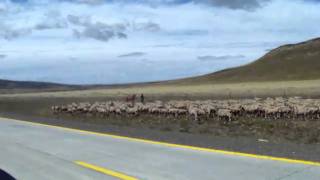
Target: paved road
{"x":31,"y":152}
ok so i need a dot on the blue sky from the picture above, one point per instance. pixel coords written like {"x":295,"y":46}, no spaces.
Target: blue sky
{"x":109,"y":41}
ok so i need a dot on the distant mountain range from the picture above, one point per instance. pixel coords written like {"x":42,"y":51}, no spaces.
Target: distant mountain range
{"x":289,"y":62}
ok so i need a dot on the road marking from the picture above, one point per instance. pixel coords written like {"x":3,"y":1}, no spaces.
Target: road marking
{"x":105,"y":171}
{"x":286,"y":160}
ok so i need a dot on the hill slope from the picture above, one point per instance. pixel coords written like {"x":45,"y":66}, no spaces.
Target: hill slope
{"x":289,"y":62}
{"x":7,"y":86}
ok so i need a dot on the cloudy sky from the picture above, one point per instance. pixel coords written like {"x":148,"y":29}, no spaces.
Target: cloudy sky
{"x":120,"y":41}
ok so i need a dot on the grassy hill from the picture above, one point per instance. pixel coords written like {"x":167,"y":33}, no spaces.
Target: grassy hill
{"x":289,"y":62}
{"x":8,"y":86}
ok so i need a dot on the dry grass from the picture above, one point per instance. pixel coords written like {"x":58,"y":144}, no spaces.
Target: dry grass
{"x":308,"y":88}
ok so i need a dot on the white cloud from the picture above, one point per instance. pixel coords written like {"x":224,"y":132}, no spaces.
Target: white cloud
{"x":132,"y":54}
{"x":172,"y":38}
{"x":220,"y":58}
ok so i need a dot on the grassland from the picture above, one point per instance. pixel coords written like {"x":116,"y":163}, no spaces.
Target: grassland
{"x":308,"y":88}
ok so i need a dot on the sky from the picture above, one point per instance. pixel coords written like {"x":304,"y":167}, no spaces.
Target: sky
{"x":124,"y":41}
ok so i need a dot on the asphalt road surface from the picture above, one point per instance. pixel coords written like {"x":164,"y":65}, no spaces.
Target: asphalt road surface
{"x":30,"y":151}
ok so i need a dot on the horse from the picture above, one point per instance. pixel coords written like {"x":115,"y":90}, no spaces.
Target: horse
{"x":131,"y":98}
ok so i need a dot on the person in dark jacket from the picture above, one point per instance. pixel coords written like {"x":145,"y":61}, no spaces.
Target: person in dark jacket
{"x":142,"y":98}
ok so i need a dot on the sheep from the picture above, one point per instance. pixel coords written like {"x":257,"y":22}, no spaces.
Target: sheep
{"x":209,"y":110}
{"x":181,"y":105}
{"x":312,"y":112}
{"x":132,"y":111}
{"x":285,"y":111}
{"x":224,"y":114}
{"x":300,"y":111}
{"x":101,"y":111}
{"x":252,"y":109}
{"x":193,"y":112}
{"x":271,"y":112}
{"x":274,"y":108}
{"x":236,"y":110}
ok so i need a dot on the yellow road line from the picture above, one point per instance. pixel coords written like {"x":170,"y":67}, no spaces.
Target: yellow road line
{"x":286,"y":160}
{"x":105,"y":171}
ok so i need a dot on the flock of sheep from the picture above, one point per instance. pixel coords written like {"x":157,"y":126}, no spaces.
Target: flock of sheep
{"x":269,"y":108}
